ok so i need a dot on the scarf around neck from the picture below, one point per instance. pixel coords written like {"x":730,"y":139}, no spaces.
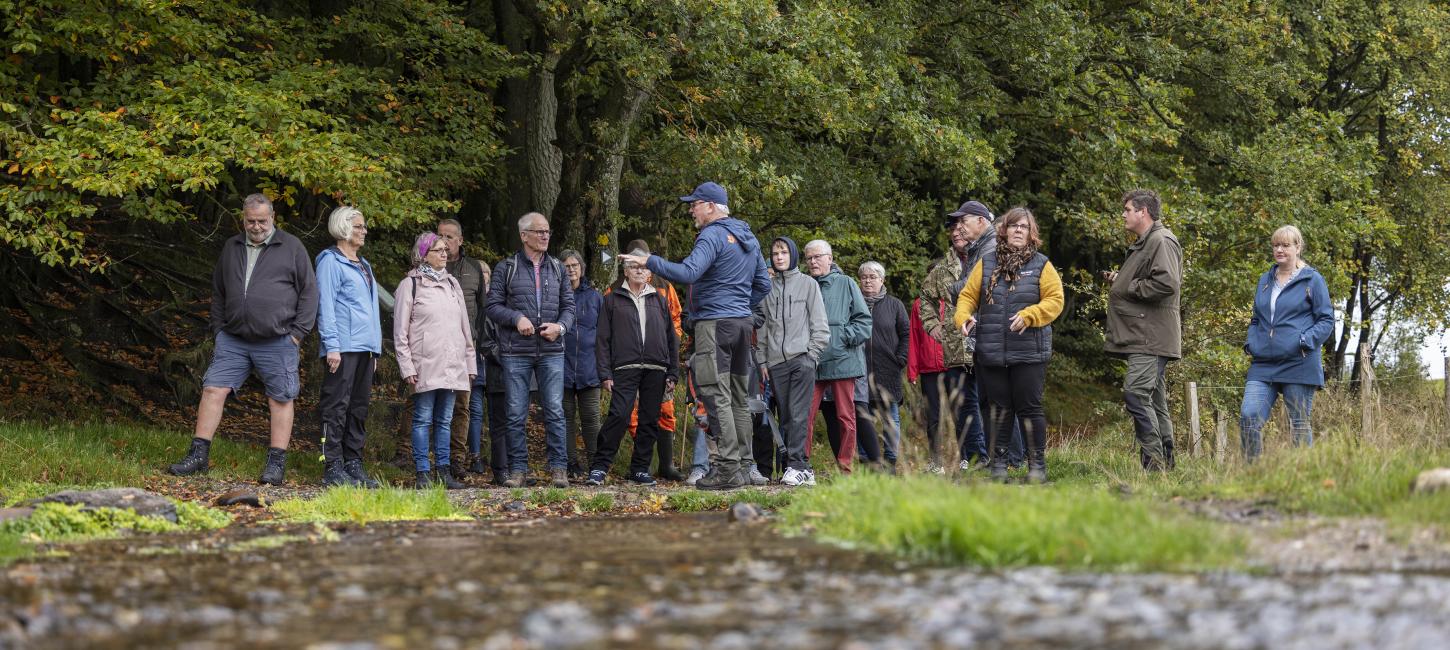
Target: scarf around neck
{"x":1009,"y":265}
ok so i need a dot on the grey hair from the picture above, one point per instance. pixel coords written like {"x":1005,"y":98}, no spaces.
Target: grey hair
{"x":528,"y":218}
{"x":568,"y":253}
{"x":451,"y":222}
{"x":256,"y":201}
{"x":339,"y":223}
{"x":820,"y":245}
{"x":723,"y":209}
{"x":872,"y":265}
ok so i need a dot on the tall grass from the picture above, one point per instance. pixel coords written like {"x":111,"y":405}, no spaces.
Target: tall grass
{"x":996,"y":526}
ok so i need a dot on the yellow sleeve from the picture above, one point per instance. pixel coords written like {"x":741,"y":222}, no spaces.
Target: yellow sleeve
{"x":967,"y":299}
{"x":1049,"y":306}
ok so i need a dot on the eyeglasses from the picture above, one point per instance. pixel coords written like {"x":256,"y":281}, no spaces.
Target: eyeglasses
{"x":812,"y":258}
{"x":541,"y":233}
{"x":1017,"y":226}
{"x":438,"y":250}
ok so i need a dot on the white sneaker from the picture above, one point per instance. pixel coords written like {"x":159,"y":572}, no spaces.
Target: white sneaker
{"x":935,"y":469}
{"x":756,"y":478}
{"x":966,"y":465}
{"x":810,"y":477}
{"x":695,"y":475}
{"x":793,"y":477}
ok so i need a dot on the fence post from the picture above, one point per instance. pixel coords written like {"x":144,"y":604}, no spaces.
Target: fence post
{"x":1366,"y":395}
{"x":1220,"y":431}
{"x":1193,"y":415}
{"x":1447,"y":388}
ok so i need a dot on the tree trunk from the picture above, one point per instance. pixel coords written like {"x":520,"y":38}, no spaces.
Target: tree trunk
{"x":544,"y":157}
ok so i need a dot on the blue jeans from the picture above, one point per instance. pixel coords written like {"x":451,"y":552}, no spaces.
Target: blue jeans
{"x":701,"y":458}
{"x":431,"y":410}
{"x":1259,"y":398}
{"x":548,"y":371}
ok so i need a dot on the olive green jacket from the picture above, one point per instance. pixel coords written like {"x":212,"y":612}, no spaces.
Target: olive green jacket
{"x":1143,"y":314}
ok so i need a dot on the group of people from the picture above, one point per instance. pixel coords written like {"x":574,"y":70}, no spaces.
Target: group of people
{"x":770,"y":346}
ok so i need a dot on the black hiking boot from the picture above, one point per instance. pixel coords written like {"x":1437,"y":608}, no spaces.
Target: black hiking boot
{"x":333,"y":475}
{"x":445,"y":478}
{"x":196,"y":459}
{"x":354,"y":469}
{"x":477,"y":466}
{"x":718,"y":480}
{"x":998,"y":468}
{"x":276,"y":467}
{"x":1037,"y":470}
{"x":423,"y":480}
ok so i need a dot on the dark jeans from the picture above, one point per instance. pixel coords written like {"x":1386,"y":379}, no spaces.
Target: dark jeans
{"x":548,"y":373}
{"x":498,"y":442}
{"x":957,"y":389}
{"x":631,"y":385}
{"x":794,"y":382}
{"x":1013,"y":394}
{"x":583,"y":403}
{"x":344,"y":406}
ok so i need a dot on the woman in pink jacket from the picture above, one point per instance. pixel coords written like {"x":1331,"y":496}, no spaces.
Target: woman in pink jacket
{"x":435,"y":353}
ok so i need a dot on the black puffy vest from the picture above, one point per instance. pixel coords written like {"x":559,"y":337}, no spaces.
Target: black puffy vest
{"x":998,"y":345}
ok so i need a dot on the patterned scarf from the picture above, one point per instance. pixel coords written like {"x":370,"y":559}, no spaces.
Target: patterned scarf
{"x":435,"y":274}
{"x":1009,"y":264}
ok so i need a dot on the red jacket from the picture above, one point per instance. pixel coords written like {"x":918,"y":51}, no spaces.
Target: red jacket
{"x":923,"y":354}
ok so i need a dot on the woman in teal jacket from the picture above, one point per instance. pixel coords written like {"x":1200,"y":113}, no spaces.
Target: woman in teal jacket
{"x":1292,"y":319}
{"x":352,"y":339}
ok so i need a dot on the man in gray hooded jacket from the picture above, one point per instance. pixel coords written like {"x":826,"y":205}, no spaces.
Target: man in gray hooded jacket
{"x":791,"y":331}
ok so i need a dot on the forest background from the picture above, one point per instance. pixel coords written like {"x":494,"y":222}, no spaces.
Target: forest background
{"x":130,"y":130}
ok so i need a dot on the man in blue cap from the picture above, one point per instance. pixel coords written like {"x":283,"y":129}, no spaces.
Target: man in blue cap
{"x":727,"y":277}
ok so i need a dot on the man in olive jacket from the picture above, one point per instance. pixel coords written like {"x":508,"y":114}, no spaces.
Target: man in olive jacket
{"x":1144,"y":325}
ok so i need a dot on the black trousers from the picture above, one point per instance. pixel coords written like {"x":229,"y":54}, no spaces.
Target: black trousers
{"x":343,"y":406}
{"x":865,"y":433}
{"x":498,"y":444}
{"x":631,"y":385}
{"x":1014,"y":394}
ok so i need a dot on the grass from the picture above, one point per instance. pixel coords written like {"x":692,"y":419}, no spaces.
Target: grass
{"x":998,"y":526}
{"x":364,"y":506}
{"x":699,"y":501}
{"x":59,"y":523}
{"x":597,"y":503}
{"x":550,"y":496}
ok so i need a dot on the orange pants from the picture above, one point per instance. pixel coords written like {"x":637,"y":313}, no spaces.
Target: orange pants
{"x":667,"y":419}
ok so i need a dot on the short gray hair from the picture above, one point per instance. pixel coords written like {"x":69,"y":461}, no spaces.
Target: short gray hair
{"x":451,"y":222}
{"x":872,"y":265}
{"x":339,"y":223}
{"x":723,"y":209}
{"x":820,"y":245}
{"x":257,"y":201}
{"x":528,"y":218}
{"x":568,"y":253}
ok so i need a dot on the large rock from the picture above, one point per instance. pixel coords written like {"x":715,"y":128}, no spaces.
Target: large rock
{"x":1432,"y":480}
{"x":145,"y":503}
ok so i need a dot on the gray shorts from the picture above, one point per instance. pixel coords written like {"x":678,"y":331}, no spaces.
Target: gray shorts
{"x":274,"y":360}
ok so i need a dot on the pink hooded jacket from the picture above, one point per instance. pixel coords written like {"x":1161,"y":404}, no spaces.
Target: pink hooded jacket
{"x":431,"y":333}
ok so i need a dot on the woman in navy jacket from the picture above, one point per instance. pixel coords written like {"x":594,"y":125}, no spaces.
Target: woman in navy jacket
{"x":1292,"y":319}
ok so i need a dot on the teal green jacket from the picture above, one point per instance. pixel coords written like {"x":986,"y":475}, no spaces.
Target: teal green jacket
{"x":850,"y":320}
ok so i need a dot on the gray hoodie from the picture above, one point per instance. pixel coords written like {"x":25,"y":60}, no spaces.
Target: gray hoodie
{"x":791,"y":321}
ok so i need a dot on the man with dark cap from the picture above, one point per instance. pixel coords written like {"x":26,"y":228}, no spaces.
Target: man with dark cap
{"x":971,"y":233}
{"x":727,"y":275}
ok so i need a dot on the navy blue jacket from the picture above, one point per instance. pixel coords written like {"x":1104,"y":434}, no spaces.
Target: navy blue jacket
{"x":580,"y":366}
{"x":511,"y":294}
{"x":1286,"y":349}
{"x":725,"y":269}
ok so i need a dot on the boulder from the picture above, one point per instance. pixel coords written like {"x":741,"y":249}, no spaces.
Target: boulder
{"x":747,"y":513}
{"x":1432,"y":480}
{"x":148,"y":504}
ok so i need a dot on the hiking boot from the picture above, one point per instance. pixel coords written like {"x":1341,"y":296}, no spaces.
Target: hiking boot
{"x":668,"y":472}
{"x":477,"y":465}
{"x":196,"y":459}
{"x":718,"y":480}
{"x":642,"y":478}
{"x":276,"y":467}
{"x":1036,"y":473}
{"x":998,"y":467}
{"x":514,"y":480}
{"x":354,"y":468}
{"x":696,"y":474}
{"x":793,"y":477}
{"x":500,"y":477}
{"x":755,"y":477}
{"x":423,"y":480}
{"x":446,"y":479}
{"x":559,"y":477}
{"x":596,"y":477}
{"x":333,"y":475}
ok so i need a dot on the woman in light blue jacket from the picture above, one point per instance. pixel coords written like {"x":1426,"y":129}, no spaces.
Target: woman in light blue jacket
{"x":352,"y":340}
{"x":1292,"y":319}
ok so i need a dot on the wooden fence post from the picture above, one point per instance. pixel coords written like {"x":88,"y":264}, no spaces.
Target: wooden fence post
{"x":1366,"y":395}
{"x":1447,"y":388}
{"x":1193,"y":416}
{"x":1220,"y":431}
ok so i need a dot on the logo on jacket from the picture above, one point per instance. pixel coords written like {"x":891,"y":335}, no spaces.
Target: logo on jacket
{"x":730,"y":238}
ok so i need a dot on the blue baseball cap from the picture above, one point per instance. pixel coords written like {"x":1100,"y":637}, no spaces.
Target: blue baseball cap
{"x":708,"y":191}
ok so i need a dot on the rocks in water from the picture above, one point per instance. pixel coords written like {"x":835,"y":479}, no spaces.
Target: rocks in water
{"x":746,"y":513}
{"x":146,"y":504}
{"x":562,"y":625}
{"x":241,"y":496}
{"x":6,"y":514}
{"x":1432,"y":480}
